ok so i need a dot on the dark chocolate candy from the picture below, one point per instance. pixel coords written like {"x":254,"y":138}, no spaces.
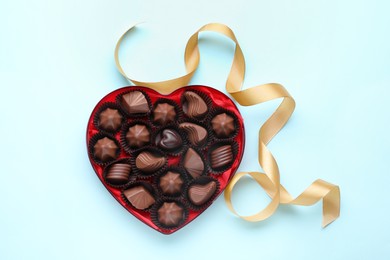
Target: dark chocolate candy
{"x":223,"y":125}
{"x":194,"y":106}
{"x":110,"y":120}
{"x":149,"y":162}
{"x":170,"y":214}
{"x":138,"y":136}
{"x":135,"y":103}
{"x":221,"y":156}
{"x":105,"y":149}
{"x":164,"y":113}
{"x":118,"y":173}
{"x":193,"y":163}
{"x":201,"y":193}
{"x":139,"y":197}
{"x":171,"y":183}
{"x":168,"y":139}
{"x":197,"y":135}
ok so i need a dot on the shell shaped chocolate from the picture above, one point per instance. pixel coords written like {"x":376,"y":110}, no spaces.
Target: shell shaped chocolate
{"x":201,"y":193}
{"x":196,"y":134}
{"x":194,"y":106}
{"x":149,"y":162}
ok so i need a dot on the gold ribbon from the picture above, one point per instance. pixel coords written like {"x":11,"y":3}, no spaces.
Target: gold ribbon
{"x":270,"y":179}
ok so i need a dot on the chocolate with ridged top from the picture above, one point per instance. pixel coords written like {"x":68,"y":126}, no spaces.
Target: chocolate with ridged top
{"x":110,"y":120}
{"x":197,"y":135}
{"x":171,"y":183}
{"x":149,"y":162}
{"x":105,"y":149}
{"x":135,"y":102}
{"x":138,"y":136}
{"x":201,"y":193}
{"x":194,"y":106}
{"x":193,"y":163}
{"x":139,"y":197}
{"x":164,"y":113}
{"x":221,"y":156}
{"x":223,"y":125}
{"x":118,"y":174}
{"x":168,"y":139}
{"x":170,"y":214}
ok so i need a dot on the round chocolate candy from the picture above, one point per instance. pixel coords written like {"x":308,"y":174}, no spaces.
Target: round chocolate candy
{"x":105,"y":149}
{"x":170,"y":214}
{"x":137,"y":136}
{"x":164,"y":113}
{"x":171,"y":183}
{"x":223,"y":125}
{"x":110,"y":120}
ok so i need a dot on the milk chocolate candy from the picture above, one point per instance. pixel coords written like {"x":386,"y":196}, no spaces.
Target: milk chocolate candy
{"x":201,"y":193}
{"x":196,"y":134}
{"x":110,"y":120}
{"x":135,"y":102}
{"x":170,"y":214}
{"x":193,"y":163}
{"x":118,"y":174}
{"x":149,"y":162}
{"x":164,"y":113}
{"x":194,"y":106}
{"x":139,"y":197}
{"x":221,"y":156}
{"x":105,"y":149}
{"x":223,"y":125}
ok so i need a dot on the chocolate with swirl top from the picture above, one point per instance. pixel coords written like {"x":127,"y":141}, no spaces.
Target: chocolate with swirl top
{"x":194,"y":106}
{"x":149,"y":162}
{"x":197,"y":135}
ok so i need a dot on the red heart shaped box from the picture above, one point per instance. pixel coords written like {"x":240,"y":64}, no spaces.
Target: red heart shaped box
{"x":218,"y":99}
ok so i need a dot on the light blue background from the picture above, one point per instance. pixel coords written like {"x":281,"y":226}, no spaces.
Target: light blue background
{"x":56,"y":62}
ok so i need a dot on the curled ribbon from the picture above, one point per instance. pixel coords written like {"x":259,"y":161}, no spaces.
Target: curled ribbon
{"x":270,"y":179}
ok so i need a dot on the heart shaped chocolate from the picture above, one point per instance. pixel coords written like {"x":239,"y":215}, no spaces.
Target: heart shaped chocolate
{"x":165,"y":158}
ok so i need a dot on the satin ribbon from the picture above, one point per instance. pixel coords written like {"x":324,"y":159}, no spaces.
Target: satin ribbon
{"x":270,"y":179}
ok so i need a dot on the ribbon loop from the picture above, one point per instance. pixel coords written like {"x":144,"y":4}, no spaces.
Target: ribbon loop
{"x":270,"y":179}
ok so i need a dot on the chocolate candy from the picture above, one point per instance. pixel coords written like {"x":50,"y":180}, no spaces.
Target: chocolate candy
{"x":168,"y":139}
{"x":138,"y":136}
{"x":193,"y":163}
{"x":149,"y":162}
{"x":139,"y":197}
{"x":223,"y":125}
{"x":118,"y":174}
{"x":221,"y":156}
{"x":197,"y":135}
{"x":110,"y":120}
{"x":105,"y":149}
{"x":164,"y":113}
{"x":135,"y":103}
{"x":194,"y":106}
{"x":170,"y":214}
{"x":171,"y":183}
{"x":201,"y":193}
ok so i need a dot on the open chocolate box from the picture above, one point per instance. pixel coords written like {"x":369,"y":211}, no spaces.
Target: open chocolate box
{"x":165,"y":158}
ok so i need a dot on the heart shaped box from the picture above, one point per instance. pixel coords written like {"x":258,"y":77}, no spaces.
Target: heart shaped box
{"x":217,"y":103}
